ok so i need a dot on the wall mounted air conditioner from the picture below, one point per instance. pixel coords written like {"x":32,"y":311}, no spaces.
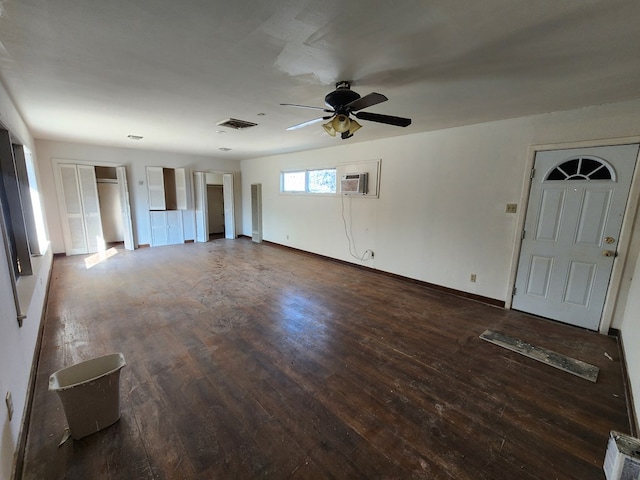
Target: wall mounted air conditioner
{"x":354,"y":184}
{"x":622,"y":460}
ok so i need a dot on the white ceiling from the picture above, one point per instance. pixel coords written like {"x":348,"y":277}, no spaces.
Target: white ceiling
{"x":96,"y":71}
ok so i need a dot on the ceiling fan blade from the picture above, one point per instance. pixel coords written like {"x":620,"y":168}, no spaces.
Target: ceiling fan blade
{"x":388,"y":119}
{"x":309,"y":122}
{"x":366,"y":101}
{"x":305,"y":106}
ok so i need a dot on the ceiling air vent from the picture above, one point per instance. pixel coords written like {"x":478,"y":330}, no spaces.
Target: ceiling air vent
{"x":236,"y":124}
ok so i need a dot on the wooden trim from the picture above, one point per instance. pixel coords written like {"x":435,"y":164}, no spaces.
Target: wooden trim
{"x":451,"y":291}
{"x":189,"y":241}
{"x":626,"y":380}
{"x":21,"y":446}
{"x":144,"y":245}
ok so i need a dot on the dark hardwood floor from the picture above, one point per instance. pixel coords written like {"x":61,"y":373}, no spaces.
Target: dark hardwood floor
{"x":249,"y":361}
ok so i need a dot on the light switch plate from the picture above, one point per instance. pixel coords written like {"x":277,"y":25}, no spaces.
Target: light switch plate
{"x":512,"y":207}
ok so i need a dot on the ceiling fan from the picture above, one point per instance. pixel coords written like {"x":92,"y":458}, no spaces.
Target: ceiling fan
{"x":343,"y":102}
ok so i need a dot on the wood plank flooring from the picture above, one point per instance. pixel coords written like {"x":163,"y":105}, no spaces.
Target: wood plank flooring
{"x":249,"y":361}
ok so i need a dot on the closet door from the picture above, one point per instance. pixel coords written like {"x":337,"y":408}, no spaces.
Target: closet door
{"x":200,"y":207}
{"x":256,"y":212}
{"x":175,"y":233}
{"x":229,"y":213}
{"x":181,"y":188}
{"x":127,"y":224}
{"x":74,"y":228}
{"x":155,"y":185}
{"x":159,"y":229}
{"x":91,"y":208}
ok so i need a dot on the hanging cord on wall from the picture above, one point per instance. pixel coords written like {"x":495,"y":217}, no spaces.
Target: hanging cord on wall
{"x":368,"y":254}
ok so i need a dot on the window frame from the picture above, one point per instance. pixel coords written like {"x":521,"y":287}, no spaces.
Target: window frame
{"x":306,"y":190}
{"x":18,"y":222}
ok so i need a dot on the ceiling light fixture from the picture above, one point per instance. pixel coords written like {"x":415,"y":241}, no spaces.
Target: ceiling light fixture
{"x":341,"y":124}
{"x":224,"y":149}
{"x":134,"y":137}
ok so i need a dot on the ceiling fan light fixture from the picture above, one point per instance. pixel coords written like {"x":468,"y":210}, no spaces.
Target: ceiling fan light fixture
{"x":341,"y":104}
{"x":341,"y":123}
{"x":354,"y":127}
{"x":328,"y":127}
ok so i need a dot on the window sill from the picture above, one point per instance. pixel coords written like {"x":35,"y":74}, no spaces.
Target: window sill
{"x":27,"y":285}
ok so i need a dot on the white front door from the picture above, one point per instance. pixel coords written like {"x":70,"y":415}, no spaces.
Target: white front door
{"x":576,"y":207}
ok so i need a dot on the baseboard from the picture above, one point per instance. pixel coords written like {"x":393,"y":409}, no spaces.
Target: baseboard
{"x":144,"y":245}
{"x":451,"y":291}
{"x":18,"y":466}
{"x":633,"y":420}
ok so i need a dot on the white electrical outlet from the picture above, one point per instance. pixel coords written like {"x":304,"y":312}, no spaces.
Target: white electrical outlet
{"x":473,"y":277}
{"x":9,"y":402}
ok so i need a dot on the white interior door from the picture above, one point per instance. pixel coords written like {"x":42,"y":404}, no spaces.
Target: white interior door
{"x":576,"y":207}
{"x":256,"y":212}
{"x":91,"y":208}
{"x":73,"y":228}
{"x":155,"y":187}
{"x":229,"y":212}
{"x":180,"y":175}
{"x":125,"y":207}
{"x":202,"y":218}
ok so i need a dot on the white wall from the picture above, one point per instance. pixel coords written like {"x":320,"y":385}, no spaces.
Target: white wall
{"x":441,"y":212}
{"x":17,"y":345}
{"x":630,"y":320}
{"x":136,"y":161}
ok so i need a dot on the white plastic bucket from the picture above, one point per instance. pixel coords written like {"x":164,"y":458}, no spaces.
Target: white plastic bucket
{"x":90,"y":393}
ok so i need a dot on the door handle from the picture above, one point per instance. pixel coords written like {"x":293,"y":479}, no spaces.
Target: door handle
{"x":609,"y":240}
{"x":609,"y":253}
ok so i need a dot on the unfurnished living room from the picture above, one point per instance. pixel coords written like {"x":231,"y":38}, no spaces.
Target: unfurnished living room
{"x":313,"y":240}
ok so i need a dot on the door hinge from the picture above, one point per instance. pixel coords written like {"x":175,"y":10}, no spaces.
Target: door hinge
{"x":533,"y":173}
{"x":524,"y":232}
{"x":513,"y":293}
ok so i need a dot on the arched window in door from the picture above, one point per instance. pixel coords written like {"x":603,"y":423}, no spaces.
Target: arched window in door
{"x":581,"y":168}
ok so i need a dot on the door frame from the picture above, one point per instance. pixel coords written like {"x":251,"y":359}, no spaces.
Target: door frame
{"x":232,"y":232}
{"x":613,"y":297}
{"x":55,"y":165}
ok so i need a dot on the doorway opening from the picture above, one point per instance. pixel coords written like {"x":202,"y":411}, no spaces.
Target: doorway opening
{"x":214,"y":205}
